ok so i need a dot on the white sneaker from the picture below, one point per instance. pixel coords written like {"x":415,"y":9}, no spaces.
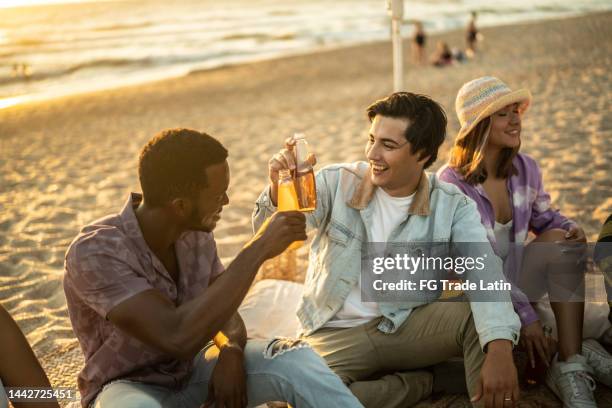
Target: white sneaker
{"x":599,"y":360}
{"x":571,"y":382}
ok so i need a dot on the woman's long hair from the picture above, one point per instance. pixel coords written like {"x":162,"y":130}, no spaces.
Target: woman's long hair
{"x":467,"y":155}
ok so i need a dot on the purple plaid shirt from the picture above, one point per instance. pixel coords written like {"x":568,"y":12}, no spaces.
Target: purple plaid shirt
{"x":106,"y":264}
{"x":531,"y":211}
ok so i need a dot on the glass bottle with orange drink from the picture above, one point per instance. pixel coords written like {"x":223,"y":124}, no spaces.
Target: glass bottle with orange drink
{"x":304,"y":175}
{"x":297,"y":191}
{"x":287,"y":198}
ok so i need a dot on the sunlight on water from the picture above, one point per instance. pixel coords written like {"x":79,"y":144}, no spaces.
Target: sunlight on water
{"x":8,"y":102}
{"x":55,"y":47}
{"x":24,"y":3}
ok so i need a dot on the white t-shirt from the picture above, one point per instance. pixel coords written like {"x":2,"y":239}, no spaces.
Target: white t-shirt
{"x":389,"y":212}
{"x":502,"y":238}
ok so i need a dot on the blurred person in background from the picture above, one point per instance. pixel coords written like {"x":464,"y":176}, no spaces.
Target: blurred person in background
{"x":419,"y":41}
{"x":471,"y":35}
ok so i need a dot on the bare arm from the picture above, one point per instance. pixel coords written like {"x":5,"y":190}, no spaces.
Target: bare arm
{"x":498,"y":377}
{"x":227,"y":386}
{"x":233,"y":334}
{"x":182,"y":331}
{"x":19,"y":366}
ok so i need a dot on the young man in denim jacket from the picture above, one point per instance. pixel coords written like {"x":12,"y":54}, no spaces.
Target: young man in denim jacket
{"x":376,"y":346}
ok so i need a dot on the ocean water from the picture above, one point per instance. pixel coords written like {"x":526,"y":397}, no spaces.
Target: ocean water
{"x":58,"y":49}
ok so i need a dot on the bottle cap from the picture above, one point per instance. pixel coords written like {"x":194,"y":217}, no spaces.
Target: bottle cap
{"x":297,"y":136}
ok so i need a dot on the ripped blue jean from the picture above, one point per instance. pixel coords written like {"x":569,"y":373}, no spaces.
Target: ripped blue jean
{"x":277,"y":370}
{"x":3,"y":399}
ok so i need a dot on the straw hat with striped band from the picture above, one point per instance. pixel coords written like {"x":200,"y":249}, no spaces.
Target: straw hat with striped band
{"x":482,"y":97}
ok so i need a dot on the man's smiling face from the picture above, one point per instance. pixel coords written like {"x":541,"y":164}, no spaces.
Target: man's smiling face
{"x":394,"y":167}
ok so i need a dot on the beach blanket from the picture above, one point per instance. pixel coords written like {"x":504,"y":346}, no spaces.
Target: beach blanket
{"x":269,"y":309}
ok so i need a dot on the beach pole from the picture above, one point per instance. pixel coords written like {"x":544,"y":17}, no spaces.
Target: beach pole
{"x":396,"y":11}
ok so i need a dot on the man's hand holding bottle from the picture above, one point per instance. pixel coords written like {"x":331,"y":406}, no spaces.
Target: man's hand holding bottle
{"x":279,"y":231}
{"x":284,"y":159}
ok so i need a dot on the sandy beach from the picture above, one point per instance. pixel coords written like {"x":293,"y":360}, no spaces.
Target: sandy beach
{"x":68,"y":161}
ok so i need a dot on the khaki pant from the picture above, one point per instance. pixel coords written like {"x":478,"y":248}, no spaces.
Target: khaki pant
{"x":376,"y":366}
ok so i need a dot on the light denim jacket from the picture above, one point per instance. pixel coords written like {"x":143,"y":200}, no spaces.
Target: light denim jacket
{"x":439,"y":213}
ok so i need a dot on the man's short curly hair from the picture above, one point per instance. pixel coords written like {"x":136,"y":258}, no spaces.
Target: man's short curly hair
{"x":173,"y":163}
{"x":427,"y":121}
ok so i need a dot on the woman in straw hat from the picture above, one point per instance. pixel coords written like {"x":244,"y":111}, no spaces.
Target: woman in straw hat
{"x":506,"y":185}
